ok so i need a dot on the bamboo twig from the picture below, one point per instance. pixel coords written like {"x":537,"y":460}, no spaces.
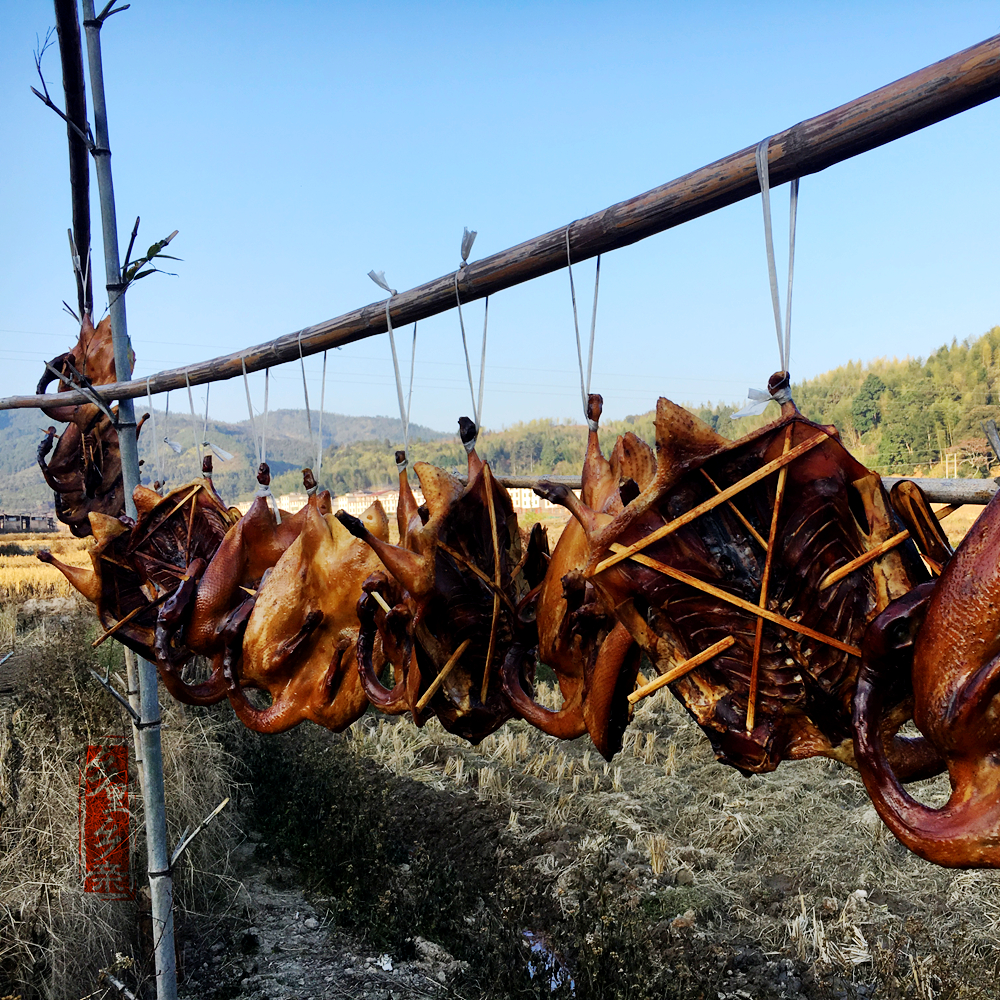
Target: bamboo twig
{"x":124,"y":621}
{"x":722,"y":595}
{"x":729,"y":503}
{"x":133,"y":714}
{"x":177,"y":507}
{"x":765,"y":580}
{"x":624,"y":551}
{"x":476,"y":571}
{"x":118,"y":985}
{"x":186,"y":837}
{"x":488,"y":480}
{"x":439,"y":680}
{"x":835,"y":576}
{"x":92,"y":396}
{"x":675,"y":673}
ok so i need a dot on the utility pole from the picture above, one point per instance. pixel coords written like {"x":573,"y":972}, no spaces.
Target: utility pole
{"x":158,"y":856}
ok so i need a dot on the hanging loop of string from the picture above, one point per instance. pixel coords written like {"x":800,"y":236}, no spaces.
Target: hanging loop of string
{"x":253,"y":425}
{"x":584,"y":379}
{"x":194,"y":419}
{"x":404,"y":414}
{"x":261,"y":444}
{"x":172,"y":445}
{"x":468,"y":238}
{"x":758,"y":398}
{"x":784,"y":344}
{"x":305,"y":392}
{"x":156,"y":439}
{"x":322,"y":404}
{"x":263,"y":427}
{"x":219,"y":453}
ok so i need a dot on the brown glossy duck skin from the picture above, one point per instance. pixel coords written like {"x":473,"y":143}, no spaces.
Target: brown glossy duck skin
{"x":300,"y":644}
{"x":173,"y":539}
{"x":250,"y":548}
{"x":578,"y":636}
{"x":225,"y":592}
{"x":112,"y":585}
{"x":84,"y":470}
{"x":441,"y":603}
{"x":956,"y":679}
{"x":805,"y":687}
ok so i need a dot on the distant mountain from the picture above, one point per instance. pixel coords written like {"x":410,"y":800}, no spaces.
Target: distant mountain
{"x":904,"y":417}
{"x":289,"y":448}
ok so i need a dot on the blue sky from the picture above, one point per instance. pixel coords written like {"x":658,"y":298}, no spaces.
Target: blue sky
{"x":297,"y":145}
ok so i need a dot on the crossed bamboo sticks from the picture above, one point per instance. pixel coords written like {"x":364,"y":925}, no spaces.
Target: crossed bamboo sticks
{"x":760,"y":611}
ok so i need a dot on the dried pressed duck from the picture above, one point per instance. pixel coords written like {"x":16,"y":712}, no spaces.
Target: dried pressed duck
{"x":455,"y":579}
{"x":300,"y":644}
{"x":592,"y":654}
{"x":123,"y":605}
{"x":84,"y":471}
{"x":947,"y":637}
{"x":727,"y":551}
{"x":208,"y":612}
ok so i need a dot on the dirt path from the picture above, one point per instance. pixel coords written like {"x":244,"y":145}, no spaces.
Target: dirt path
{"x":288,"y":950}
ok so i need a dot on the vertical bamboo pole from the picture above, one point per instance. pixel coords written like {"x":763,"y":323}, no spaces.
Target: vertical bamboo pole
{"x":157,"y":852}
{"x":132,"y":693}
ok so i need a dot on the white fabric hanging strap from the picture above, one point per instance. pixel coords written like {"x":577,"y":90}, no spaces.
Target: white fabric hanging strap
{"x":253,"y":425}
{"x":584,"y":379}
{"x":194,"y":420}
{"x":220,"y":453}
{"x":468,"y":238}
{"x":263,"y":447}
{"x":379,"y":278}
{"x":172,"y":445}
{"x":409,"y":395}
{"x":156,"y":440}
{"x":757,"y":398}
{"x":305,"y":392}
{"x":263,"y":427}
{"x":322,"y":404}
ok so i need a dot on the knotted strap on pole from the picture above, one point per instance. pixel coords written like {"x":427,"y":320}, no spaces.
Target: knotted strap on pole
{"x":172,"y":445}
{"x":468,"y":238}
{"x":322,"y":404}
{"x":156,"y":440}
{"x":757,"y":399}
{"x":220,"y":453}
{"x":263,"y":472}
{"x":584,"y":380}
{"x":194,"y":419}
{"x":404,"y":414}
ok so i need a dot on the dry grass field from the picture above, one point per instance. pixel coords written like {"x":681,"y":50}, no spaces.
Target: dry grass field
{"x":22,"y":576}
{"x":54,"y":938}
{"x":543,"y":870}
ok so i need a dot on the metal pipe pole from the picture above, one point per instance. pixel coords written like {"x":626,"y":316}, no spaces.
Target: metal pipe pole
{"x":154,"y":800}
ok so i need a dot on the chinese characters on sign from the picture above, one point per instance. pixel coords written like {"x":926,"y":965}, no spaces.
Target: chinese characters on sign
{"x":104,"y":819}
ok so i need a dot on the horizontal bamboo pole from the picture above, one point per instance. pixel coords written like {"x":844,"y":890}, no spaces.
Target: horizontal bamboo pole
{"x":956,"y":491}
{"x":930,"y":95}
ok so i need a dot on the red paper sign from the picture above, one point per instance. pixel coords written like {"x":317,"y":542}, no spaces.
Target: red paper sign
{"x":104,"y":820}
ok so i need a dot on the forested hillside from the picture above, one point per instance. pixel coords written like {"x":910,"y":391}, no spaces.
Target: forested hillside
{"x":905,"y":417}
{"x":909,"y":417}
{"x":899,"y":417}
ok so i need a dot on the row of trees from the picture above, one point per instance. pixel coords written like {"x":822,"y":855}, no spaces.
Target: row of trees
{"x":899,"y":417}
